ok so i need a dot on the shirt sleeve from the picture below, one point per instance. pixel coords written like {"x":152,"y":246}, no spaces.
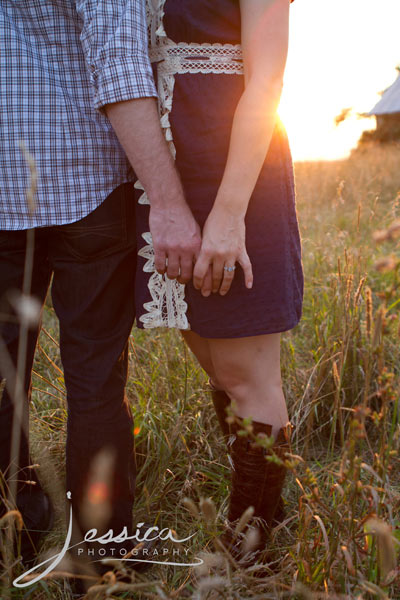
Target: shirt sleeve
{"x":114,"y":41}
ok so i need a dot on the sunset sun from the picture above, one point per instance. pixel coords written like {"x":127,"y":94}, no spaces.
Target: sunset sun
{"x":341,"y":55}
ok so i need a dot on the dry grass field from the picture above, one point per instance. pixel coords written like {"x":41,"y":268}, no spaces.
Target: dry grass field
{"x":340,"y":368}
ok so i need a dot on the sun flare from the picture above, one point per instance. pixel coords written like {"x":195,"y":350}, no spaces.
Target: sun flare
{"x":341,"y":55}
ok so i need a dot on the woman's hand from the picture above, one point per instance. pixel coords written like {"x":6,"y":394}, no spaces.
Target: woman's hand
{"x":223,"y":244}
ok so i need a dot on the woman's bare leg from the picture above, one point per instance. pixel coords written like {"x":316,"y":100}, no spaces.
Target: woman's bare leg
{"x":200,"y":348}
{"x":248,"y":370}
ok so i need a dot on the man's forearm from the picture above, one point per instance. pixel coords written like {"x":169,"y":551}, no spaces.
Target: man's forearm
{"x":137,"y":126}
{"x":175,"y":232}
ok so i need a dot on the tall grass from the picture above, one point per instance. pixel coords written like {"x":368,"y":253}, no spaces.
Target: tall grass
{"x":340,"y":368}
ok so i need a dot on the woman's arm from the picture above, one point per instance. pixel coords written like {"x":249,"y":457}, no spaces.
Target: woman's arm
{"x":265,"y":27}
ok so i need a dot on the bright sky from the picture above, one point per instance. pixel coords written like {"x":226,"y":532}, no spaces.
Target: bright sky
{"x":342,"y":53}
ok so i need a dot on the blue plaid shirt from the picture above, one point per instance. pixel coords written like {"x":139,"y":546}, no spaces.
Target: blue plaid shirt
{"x":61,"y":61}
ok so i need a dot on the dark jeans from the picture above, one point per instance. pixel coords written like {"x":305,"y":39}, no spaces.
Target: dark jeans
{"x":93,"y":263}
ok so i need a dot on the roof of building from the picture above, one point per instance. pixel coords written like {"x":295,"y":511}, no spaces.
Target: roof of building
{"x":390,"y":101}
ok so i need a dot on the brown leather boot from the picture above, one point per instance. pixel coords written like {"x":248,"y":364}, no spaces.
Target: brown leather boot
{"x":221,"y":401}
{"x":258,"y":482}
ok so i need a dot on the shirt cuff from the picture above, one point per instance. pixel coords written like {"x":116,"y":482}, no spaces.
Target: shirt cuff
{"x":123,"y":78}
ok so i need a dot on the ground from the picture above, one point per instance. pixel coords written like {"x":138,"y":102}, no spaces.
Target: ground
{"x":340,"y":370}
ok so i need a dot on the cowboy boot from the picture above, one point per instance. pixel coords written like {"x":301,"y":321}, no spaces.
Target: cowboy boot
{"x":221,"y":401}
{"x":258,"y":482}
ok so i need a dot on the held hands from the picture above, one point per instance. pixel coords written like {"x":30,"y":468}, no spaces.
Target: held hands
{"x":223,"y":244}
{"x":178,"y":245}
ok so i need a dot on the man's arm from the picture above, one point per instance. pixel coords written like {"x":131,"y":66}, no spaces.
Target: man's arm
{"x":175,"y":232}
{"x":114,"y":40}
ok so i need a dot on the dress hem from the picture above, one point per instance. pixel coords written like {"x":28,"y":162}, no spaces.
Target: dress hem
{"x":232,"y":335}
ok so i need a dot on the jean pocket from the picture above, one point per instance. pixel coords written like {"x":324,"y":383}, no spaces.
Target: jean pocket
{"x":104,"y":231}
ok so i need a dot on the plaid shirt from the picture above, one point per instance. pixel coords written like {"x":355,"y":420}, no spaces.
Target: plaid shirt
{"x":61,"y":61}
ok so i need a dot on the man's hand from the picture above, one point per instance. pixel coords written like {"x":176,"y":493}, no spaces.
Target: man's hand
{"x":176,"y":240}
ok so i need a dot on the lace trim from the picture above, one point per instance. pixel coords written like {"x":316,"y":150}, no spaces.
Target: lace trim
{"x":168,"y":307}
{"x":198,"y":58}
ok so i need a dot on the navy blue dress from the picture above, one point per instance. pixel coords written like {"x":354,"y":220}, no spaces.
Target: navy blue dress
{"x":201,"y":120}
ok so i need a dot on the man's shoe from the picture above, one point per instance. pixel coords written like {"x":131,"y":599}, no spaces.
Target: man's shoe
{"x":38,"y":517}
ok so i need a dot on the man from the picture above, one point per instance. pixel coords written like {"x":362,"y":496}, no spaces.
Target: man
{"x":76,"y":87}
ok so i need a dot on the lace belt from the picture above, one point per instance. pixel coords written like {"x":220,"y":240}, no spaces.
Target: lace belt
{"x":198,"y":58}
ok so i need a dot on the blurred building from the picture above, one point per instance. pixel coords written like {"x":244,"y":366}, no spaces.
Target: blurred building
{"x":387,"y":113}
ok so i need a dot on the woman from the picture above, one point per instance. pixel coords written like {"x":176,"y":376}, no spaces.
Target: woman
{"x":219,"y":66}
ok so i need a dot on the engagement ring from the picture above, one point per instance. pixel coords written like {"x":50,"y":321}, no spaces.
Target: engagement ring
{"x":230,"y":268}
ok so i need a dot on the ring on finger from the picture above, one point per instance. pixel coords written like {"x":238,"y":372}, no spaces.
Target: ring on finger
{"x":229,"y":269}
{"x":164,"y":267}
